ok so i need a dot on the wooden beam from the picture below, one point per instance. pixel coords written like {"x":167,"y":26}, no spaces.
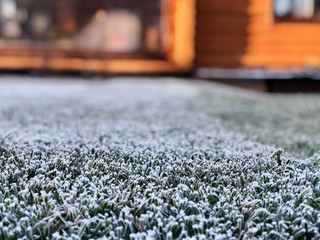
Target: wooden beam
{"x":183,"y":17}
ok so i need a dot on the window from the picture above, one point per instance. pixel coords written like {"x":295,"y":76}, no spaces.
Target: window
{"x":297,"y":10}
{"x":127,"y":27}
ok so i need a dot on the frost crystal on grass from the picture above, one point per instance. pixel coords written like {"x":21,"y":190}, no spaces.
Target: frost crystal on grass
{"x":166,"y":159}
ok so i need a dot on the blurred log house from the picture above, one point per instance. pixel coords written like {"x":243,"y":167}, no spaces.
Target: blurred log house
{"x":160,"y":36}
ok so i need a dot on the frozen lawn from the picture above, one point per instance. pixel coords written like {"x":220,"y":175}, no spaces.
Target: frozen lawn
{"x":163,"y":159}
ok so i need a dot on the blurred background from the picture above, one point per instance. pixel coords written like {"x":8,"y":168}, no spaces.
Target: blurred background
{"x":121,"y":26}
{"x":256,"y":43}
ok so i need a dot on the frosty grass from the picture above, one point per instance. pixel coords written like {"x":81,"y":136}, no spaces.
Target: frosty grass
{"x":156,"y":159}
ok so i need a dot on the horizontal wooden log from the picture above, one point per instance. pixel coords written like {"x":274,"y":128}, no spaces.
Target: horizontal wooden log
{"x":223,"y":19}
{"x":81,"y":64}
{"x":280,"y":60}
{"x":230,"y":7}
{"x":218,"y":61}
{"x":220,"y":48}
{"x":222,"y":38}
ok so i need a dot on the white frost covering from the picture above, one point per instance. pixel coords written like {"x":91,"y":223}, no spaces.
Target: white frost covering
{"x":154,"y":159}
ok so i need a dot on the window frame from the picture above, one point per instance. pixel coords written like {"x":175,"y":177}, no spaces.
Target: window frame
{"x":314,"y":19}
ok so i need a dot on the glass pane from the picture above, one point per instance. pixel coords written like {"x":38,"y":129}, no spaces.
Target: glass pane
{"x":303,"y":8}
{"x":282,"y":8}
{"x":317,"y":5}
{"x":119,"y":26}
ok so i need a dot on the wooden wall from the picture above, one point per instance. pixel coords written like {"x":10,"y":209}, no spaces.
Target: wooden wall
{"x":243,"y":33}
{"x":221,"y":33}
{"x":280,"y":45}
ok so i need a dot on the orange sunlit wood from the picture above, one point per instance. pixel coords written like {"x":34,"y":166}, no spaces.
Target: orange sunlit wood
{"x":13,"y":62}
{"x":281,"y":45}
{"x":183,"y":18}
{"x":245,"y":34}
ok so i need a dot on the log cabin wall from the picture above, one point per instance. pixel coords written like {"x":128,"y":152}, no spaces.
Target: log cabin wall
{"x":221,"y":33}
{"x":280,"y":45}
{"x":243,"y":33}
